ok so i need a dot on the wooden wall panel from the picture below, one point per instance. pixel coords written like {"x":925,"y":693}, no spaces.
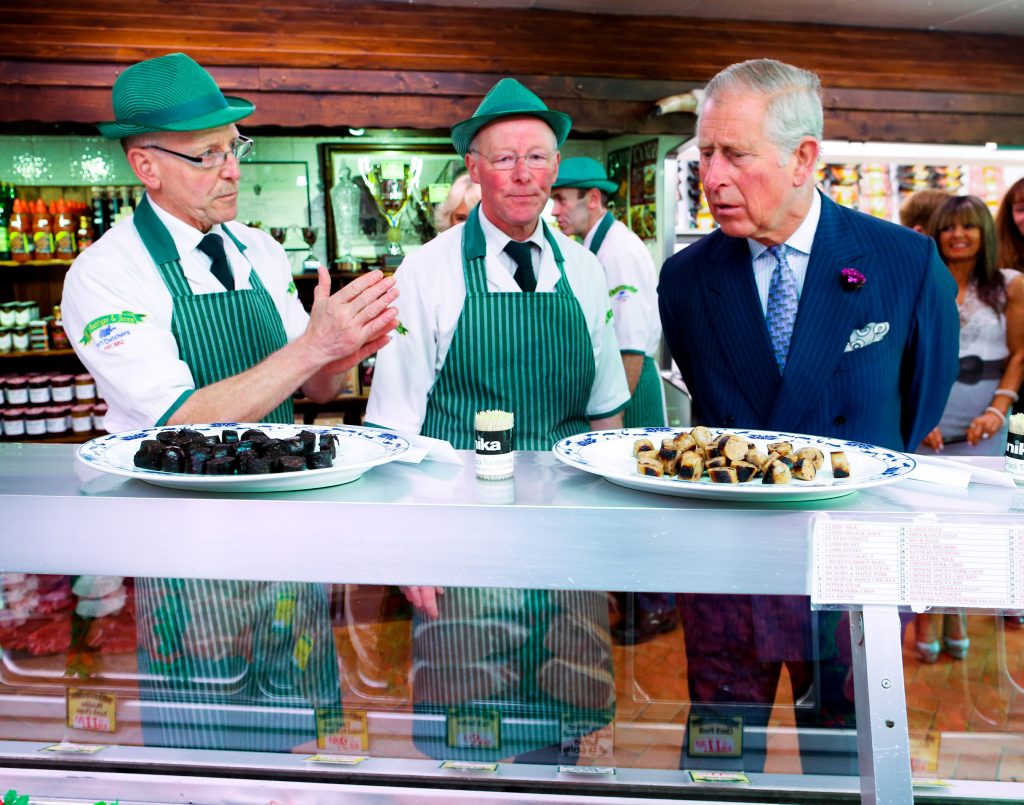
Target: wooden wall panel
{"x":321,"y":63}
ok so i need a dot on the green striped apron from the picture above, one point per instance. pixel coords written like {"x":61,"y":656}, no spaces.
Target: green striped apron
{"x":215,"y":656}
{"x":529,"y":660}
{"x":646,"y":408}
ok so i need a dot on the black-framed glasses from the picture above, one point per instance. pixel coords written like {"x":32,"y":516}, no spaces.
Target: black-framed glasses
{"x":212,"y":159}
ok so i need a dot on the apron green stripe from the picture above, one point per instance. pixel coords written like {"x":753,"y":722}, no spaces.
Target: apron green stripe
{"x":646,"y":408}
{"x":209,"y":642}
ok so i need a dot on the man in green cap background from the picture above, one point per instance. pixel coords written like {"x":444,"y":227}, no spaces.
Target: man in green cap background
{"x":185,"y":316}
{"x":502,"y":313}
{"x":580,"y":195}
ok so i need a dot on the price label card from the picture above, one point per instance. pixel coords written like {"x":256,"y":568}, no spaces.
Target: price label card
{"x":719,"y":777}
{"x":474,"y":729}
{"x":931,"y":783}
{"x":587,"y":771}
{"x":91,"y":710}
{"x":468,"y":765}
{"x":924,"y":752}
{"x":342,"y":731}
{"x":73,"y":748}
{"x":586,"y":738}
{"x":336,"y":760}
{"x":714,"y":736}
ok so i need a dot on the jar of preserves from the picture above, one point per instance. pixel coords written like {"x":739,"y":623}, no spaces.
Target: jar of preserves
{"x":16,"y":391}
{"x":62,"y":388}
{"x":56,"y":419}
{"x":6,"y":339}
{"x":99,"y":412}
{"x":7,"y":314}
{"x":85,"y":388}
{"x":81,"y":418}
{"x":39,"y":389}
{"x":13,"y":422}
{"x":19,"y":338}
{"x":35,"y":421}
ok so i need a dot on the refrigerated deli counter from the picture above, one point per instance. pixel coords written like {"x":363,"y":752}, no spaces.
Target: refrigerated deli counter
{"x":271,"y":655}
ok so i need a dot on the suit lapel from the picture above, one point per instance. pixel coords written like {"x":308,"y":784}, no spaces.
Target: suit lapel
{"x":826,"y":317}
{"x":739,"y":325}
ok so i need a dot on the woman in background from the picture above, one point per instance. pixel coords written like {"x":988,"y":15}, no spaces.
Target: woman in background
{"x":991,"y":304}
{"x":1010,"y":227}
{"x":1010,"y":234}
{"x":462,"y":197}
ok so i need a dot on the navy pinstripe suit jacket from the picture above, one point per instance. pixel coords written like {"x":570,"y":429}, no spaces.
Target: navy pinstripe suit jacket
{"x":889,"y":393}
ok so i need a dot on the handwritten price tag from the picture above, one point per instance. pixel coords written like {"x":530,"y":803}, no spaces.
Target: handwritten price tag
{"x":91,"y":710}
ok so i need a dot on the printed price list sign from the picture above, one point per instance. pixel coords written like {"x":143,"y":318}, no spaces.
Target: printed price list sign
{"x":956,"y":564}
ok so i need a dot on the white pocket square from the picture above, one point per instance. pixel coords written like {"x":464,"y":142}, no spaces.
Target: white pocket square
{"x":868,"y":334}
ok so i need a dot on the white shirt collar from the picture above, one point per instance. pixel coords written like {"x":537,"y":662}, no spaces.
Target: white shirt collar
{"x":186,"y":237}
{"x":496,"y":239}
{"x":803,"y":238}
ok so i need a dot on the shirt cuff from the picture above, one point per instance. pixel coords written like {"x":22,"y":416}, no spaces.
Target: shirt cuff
{"x":174,"y":407}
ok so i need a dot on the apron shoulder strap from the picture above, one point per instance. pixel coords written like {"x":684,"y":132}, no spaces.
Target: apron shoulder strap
{"x":602,"y":232}
{"x":161,"y":248}
{"x":474,"y":254}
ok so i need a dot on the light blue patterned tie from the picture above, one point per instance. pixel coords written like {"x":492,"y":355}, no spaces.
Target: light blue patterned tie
{"x":782,"y":304}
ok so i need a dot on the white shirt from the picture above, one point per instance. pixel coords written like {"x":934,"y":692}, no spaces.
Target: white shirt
{"x":137,"y":366}
{"x":632,"y":288}
{"x":432,"y":290}
{"x":798,"y":254}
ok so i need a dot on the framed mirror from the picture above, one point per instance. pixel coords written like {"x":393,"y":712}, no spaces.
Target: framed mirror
{"x":275,"y":197}
{"x":380,"y":199}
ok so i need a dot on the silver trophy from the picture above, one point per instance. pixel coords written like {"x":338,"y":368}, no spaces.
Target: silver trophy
{"x":392,"y":183}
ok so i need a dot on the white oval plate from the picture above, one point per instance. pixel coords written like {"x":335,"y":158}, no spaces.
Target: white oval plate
{"x":609,"y":453}
{"x":358,"y":449}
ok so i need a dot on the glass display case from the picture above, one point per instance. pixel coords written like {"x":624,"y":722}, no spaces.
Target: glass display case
{"x":162,"y":644}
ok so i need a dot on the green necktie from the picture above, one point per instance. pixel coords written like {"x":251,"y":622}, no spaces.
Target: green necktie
{"x":520,"y":252}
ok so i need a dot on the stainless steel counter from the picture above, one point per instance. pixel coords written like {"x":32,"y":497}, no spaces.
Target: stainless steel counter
{"x":551,"y":526}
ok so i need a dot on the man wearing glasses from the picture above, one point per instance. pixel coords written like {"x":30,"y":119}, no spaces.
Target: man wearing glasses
{"x":184,"y":315}
{"x":502,"y":313}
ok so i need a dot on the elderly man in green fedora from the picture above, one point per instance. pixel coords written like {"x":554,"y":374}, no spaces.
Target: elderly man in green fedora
{"x":580,"y":195}
{"x":503,"y":313}
{"x":185,"y":316}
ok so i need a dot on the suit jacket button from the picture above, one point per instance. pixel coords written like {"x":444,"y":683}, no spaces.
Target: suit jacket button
{"x":839,"y":420}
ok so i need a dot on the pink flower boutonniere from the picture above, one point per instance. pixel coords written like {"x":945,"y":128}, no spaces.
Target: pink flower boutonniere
{"x":851,"y":279}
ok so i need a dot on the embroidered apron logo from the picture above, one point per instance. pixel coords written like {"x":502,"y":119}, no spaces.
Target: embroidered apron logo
{"x":108,"y":333}
{"x":621,"y":289}
{"x":292,"y":289}
{"x":401,"y":329}
{"x":608,"y":317}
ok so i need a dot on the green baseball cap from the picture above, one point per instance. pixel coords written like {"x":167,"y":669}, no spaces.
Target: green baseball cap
{"x":583,"y":172}
{"x":170,"y":93}
{"x":508,"y":98}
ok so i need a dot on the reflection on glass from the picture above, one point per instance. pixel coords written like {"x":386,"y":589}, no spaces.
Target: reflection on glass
{"x":502,"y":674}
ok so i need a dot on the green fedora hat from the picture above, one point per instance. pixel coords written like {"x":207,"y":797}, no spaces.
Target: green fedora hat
{"x":508,"y":98}
{"x":170,"y":93}
{"x":583,"y":172}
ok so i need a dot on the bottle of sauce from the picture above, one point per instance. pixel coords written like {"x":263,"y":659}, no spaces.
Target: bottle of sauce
{"x":63,"y":232}
{"x":42,"y":232}
{"x":5,"y":215}
{"x":19,"y":232}
{"x":99,"y":213}
{"x":59,"y":338}
{"x":83,"y":236}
